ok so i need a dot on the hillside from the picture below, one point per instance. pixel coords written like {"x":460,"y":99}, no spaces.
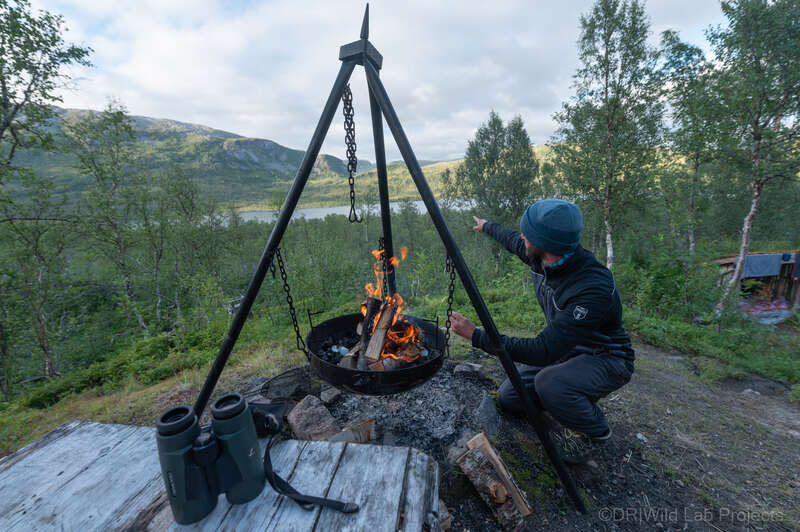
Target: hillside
{"x":229,"y":167}
{"x":252,"y":173}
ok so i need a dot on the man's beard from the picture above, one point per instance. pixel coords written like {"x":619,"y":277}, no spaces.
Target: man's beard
{"x":534,"y":253}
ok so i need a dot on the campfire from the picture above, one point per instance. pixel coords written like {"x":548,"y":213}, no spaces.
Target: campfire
{"x":384,"y":340}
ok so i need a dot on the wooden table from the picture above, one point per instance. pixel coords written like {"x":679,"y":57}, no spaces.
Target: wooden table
{"x":94,"y":476}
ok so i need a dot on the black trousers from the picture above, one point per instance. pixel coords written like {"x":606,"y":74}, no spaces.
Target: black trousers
{"x":569,"y":390}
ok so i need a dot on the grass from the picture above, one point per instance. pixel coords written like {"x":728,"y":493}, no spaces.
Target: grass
{"x":134,"y":385}
{"x":794,"y":395}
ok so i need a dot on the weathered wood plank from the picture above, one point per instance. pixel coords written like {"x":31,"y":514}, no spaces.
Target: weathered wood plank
{"x":59,"y":432}
{"x":228,"y":516}
{"x":420,"y":493}
{"x":42,"y":482}
{"x":372,"y":477}
{"x":106,"y":484}
{"x":312,"y":475}
{"x":92,"y":476}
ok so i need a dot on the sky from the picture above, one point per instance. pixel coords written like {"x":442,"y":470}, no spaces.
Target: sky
{"x":265,"y":68}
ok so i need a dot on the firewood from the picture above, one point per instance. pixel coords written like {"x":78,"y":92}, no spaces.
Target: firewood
{"x":373,"y":306}
{"x":481,"y":442}
{"x":480,"y":471}
{"x":350,"y":360}
{"x":388,"y":364}
{"x":378,"y":338}
{"x":357,"y":432}
{"x":411,"y":350}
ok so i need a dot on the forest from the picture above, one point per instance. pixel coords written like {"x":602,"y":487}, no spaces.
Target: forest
{"x":676,"y":158}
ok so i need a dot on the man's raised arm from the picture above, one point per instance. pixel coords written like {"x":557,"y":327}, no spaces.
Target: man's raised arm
{"x":509,"y":239}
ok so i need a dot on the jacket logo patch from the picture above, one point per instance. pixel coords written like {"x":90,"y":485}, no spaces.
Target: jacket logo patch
{"x":580,"y":312}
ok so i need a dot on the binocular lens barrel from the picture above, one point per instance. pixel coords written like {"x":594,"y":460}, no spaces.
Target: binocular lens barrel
{"x":198,"y":465}
{"x":232,"y":422}
{"x":176,"y":431}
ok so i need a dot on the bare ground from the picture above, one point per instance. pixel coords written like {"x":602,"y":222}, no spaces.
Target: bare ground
{"x":685,"y":455}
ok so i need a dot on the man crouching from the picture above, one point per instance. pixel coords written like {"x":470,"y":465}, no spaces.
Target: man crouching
{"x":584,"y":353}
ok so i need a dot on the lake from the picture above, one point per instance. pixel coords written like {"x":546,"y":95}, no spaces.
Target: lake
{"x":344,"y":210}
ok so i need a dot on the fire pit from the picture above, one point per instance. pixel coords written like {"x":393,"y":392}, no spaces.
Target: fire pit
{"x":340,"y":331}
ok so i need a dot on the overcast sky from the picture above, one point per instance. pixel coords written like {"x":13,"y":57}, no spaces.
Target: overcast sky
{"x":264,"y":68}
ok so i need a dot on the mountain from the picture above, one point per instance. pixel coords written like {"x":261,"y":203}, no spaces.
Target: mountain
{"x":228,"y":167}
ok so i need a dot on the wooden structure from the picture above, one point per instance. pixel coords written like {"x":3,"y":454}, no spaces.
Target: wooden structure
{"x":94,"y":476}
{"x":768,"y":288}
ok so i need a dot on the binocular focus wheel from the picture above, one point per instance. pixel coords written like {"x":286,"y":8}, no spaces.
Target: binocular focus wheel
{"x":175,"y":420}
{"x":228,"y":406}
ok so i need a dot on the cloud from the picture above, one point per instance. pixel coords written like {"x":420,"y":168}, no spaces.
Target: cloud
{"x":264,"y":68}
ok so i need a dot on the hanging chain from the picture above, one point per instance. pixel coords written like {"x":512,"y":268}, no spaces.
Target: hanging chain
{"x":301,"y":345}
{"x":350,"y":141}
{"x":450,"y":267}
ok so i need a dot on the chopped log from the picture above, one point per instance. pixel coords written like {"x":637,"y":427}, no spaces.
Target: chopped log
{"x":445,"y":517}
{"x":411,"y":350}
{"x":358,"y":432}
{"x":350,"y":359}
{"x":373,"y":306}
{"x":480,"y":471}
{"x":378,"y":338}
{"x":388,"y":364}
{"x":481,"y":442}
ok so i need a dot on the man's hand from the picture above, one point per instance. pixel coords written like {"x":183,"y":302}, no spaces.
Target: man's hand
{"x":479,"y":224}
{"x":461,"y":325}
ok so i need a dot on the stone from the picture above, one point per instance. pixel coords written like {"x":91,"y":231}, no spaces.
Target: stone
{"x":641,"y":436}
{"x":310,"y":420}
{"x":468,"y":368}
{"x":749,"y":391}
{"x":592,"y":464}
{"x":487,"y":417}
{"x":330,"y":395}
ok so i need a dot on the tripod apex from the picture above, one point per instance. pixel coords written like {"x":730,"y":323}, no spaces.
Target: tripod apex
{"x":365,"y":24}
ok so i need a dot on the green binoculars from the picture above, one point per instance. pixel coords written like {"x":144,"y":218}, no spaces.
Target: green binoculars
{"x":198,"y":463}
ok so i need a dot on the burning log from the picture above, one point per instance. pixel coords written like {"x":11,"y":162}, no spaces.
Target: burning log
{"x":372,"y":307}
{"x":373,"y":352}
{"x":350,"y":359}
{"x":388,"y":364}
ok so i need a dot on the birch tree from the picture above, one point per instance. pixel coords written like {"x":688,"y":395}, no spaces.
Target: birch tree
{"x":757,"y":90}
{"x":604,"y":146}
{"x":33,"y":57}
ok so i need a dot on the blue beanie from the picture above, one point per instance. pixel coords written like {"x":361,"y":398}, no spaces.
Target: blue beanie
{"x":553,"y":225}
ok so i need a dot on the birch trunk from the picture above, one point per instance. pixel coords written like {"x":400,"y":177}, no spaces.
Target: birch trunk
{"x":690,"y":229}
{"x":757,"y":185}
{"x":132,"y":299}
{"x":609,"y":237}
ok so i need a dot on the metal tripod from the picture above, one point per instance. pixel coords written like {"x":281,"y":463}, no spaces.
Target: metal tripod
{"x":362,"y":52}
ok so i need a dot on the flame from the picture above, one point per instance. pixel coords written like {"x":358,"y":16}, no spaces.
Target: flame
{"x":402,"y":332}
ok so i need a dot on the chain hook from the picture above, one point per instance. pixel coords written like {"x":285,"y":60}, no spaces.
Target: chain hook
{"x":450,"y":267}
{"x":350,"y":141}
{"x":301,"y":345}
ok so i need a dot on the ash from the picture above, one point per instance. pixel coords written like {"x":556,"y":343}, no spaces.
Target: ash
{"x":430,"y":417}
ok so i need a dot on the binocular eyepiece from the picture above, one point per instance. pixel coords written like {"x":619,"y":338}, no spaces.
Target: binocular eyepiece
{"x":199,"y":463}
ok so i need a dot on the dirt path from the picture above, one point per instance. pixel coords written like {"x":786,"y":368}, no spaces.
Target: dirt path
{"x":685,"y":455}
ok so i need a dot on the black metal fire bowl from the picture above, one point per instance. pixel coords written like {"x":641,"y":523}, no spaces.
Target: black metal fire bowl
{"x":374,"y":382}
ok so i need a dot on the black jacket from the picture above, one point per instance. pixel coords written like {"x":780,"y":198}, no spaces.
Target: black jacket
{"x":581,"y":305}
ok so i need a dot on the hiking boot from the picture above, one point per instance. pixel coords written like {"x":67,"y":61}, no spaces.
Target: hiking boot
{"x":575,"y":447}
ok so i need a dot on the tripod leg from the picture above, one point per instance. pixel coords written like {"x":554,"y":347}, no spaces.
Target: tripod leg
{"x":535,"y":416}
{"x":275,"y":237}
{"x":383,"y":185}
